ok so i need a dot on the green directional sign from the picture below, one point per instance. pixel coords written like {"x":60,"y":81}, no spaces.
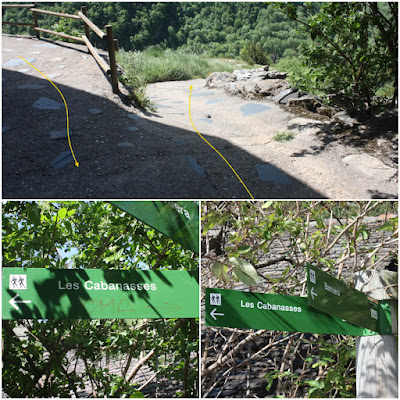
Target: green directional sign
{"x":179,"y":220}
{"x":236,"y":309}
{"x":327,"y":294}
{"x":94,"y":293}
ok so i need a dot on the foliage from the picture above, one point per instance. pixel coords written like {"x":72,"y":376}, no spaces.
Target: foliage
{"x":217,"y":29}
{"x":253,"y":53}
{"x":283,"y":137}
{"x":275,"y":240}
{"x":335,"y":360}
{"x":156,"y":64}
{"x":60,"y":358}
{"x":353,"y":50}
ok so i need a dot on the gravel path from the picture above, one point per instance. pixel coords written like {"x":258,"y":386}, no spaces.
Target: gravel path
{"x":124,"y":153}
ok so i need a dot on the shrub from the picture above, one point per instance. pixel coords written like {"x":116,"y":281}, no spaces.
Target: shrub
{"x":253,"y":53}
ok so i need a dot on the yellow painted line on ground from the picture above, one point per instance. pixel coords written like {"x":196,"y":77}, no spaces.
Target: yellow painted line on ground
{"x":66,"y":107}
{"x":230,"y":166}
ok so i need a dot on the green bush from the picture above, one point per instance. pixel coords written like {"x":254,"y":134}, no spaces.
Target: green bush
{"x":253,"y":53}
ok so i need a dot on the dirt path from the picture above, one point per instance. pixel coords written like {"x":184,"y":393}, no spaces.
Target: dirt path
{"x":124,"y":153}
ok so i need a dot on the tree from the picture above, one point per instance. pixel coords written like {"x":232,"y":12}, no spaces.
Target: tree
{"x":61,"y":358}
{"x":353,"y":51}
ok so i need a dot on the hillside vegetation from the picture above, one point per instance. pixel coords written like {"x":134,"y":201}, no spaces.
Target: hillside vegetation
{"x":342,"y":48}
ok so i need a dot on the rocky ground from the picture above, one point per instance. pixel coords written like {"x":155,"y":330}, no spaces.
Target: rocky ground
{"x":126,"y":153}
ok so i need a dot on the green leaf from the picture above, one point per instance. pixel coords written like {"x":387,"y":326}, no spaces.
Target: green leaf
{"x":244,"y":249}
{"x":316,"y":384}
{"x":267,"y":204}
{"x":221,"y":272}
{"x":245,"y":271}
{"x":62,"y":213}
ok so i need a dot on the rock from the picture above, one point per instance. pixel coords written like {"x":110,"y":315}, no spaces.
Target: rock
{"x":16,"y":62}
{"x":243,"y":75}
{"x":281,"y":95}
{"x":272,"y":87}
{"x":344,"y":118}
{"x":31,"y":86}
{"x":94,"y":111}
{"x":47,"y":104}
{"x":219,"y":79}
{"x":276,"y":75}
{"x":61,"y":134}
{"x":194,"y":164}
{"x":369,"y":165}
{"x":62,"y":160}
{"x":309,"y":102}
{"x":54,"y":76}
{"x":325,"y":110}
{"x":125,"y":144}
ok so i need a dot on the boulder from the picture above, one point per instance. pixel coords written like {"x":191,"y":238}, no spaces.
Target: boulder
{"x":343,"y":117}
{"x":271,"y":87}
{"x":276,"y":75}
{"x":309,"y":102}
{"x":219,"y":79}
{"x":281,"y":95}
{"x":327,"y":111}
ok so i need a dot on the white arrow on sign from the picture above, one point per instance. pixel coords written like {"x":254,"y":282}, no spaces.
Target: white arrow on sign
{"x":313,"y":293}
{"x":14,"y":302}
{"x":213,"y":313}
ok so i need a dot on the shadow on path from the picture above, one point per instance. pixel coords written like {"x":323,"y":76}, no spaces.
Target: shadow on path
{"x":121,"y":155}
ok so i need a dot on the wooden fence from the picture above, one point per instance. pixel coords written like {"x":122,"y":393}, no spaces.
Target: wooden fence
{"x":108,"y":36}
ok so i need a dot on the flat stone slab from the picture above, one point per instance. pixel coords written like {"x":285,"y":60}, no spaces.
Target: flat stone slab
{"x":270,"y":173}
{"x":31,"y":86}
{"x":45,"y":103}
{"x":94,"y":111}
{"x":205,"y":93}
{"x":208,"y":120}
{"x":15,"y":62}
{"x":62,"y":134}
{"x":48,"y":45}
{"x":133,"y":116}
{"x":196,"y":167}
{"x":178,"y":141}
{"x":62,"y":160}
{"x":280,"y":96}
{"x":216,"y":101}
{"x":253,"y":108}
{"x":125,"y":144}
{"x":56,"y":59}
{"x":369,"y":165}
{"x":54,"y":76}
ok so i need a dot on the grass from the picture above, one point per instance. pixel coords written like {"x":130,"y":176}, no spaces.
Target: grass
{"x":283,"y":137}
{"x":157,"y":65}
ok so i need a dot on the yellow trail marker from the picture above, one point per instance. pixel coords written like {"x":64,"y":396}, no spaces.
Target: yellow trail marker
{"x":65,"y":103}
{"x":230,"y":166}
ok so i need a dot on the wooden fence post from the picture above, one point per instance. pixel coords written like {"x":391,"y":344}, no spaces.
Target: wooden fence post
{"x":376,"y":356}
{"x":35,"y":22}
{"x":87,"y":29}
{"x":113,"y":63}
{"x":116,"y":46}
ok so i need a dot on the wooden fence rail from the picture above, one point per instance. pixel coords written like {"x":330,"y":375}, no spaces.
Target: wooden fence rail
{"x":108,"y":37}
